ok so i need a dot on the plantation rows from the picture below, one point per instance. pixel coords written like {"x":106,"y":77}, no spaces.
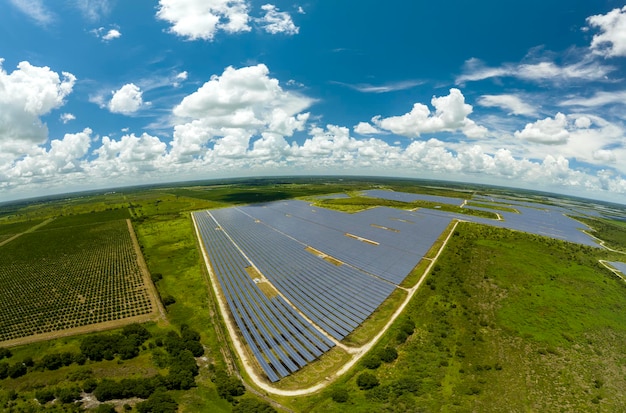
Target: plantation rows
{"x":69,"y":277}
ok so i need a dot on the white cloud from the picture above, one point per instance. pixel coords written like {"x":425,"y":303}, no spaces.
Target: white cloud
{"x":364,"y":128}
{"x":112,"y":34}
{"x":611,"y":41}
{"x":235,"y":106}
{"x":128,"y":99}
{"x":384,"y":88}
{"x":179,"y":78}
{"x":27,"y":94}
{"x":202,"y":19}
{"x":599,"y":99}
{"x":63,"y":157}
{"x":549,"y":131}
{"x":106,"y":35}
{"x":511,"y":103}
{"x":275,"y":21}
{"x":36,"y":10}
{"x":586,"y":70}
{"x":450,"y":115}
{"x":66,"y":117}
{"x":94,"y":9}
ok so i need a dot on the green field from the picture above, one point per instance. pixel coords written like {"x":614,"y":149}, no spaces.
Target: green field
{"x":489,"y":330}
{"x":495,"y":333}
{"x":57,"y":279}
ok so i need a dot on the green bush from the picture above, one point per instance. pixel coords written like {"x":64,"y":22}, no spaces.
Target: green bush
{"x":340,"y":395}
{"x":367,"y":381}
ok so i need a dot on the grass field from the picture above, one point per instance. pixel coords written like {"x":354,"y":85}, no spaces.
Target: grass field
{"x":495,"y":333}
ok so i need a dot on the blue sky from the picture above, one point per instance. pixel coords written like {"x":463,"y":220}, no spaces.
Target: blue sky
{"x":104,"y":93}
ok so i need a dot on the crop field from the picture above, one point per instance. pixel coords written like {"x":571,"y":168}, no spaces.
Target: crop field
{"x":68,"y":277}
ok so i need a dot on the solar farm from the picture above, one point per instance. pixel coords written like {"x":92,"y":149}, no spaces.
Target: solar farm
{"x":298,"y":279}
{"x":58,"y":279}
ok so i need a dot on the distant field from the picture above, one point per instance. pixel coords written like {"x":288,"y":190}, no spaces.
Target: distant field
{"x":65,"y":278}
{"x":9,"y":230}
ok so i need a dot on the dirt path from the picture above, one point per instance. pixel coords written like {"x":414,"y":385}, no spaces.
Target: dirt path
{"x":35,"y":228}
{"x":613,"y":270}
{"x":145,"y":273}
{"x":357,"y":352}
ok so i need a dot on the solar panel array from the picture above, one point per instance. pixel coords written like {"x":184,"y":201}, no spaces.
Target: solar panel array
{"x":281,"y":340}
{"x":289,"y":243}
{"x":619,"y":266}
{"x":399,"y":239}
{"x":534,"y":218}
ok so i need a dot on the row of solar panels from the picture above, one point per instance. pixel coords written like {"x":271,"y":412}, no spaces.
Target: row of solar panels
{"x":281,"y":340}
{"x":387,"y":242}
{"x":336,"y":298}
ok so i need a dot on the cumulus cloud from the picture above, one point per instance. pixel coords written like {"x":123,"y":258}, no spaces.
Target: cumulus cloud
{"x":106,"y":35}
{"x":275,"y":21}
{"x":450,"y":115}
{"x":586,"y":70}
{"x":511,"y":103}
{"x":235,"y":106}
{"x":36,"y":10}
{"x":27,"y":94}
{"x":202,"y":19}
{"x":127,"y":100}
{"x":63,"y":157}
{"x":549,"y":131}
{"x":611,"y":41}
{"x":66,"y":117}
{"x":364,"y":128}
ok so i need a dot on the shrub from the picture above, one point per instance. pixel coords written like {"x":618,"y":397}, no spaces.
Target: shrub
{"x":340,"y":395}
{"x":388,"y":354}
{"x":44,"y":395}
{"x":160,"y":401}
{"x":253,"y":406}
{"x":367,"y":381}
{"x":17,"y":370}
{"x":371,"y":361}
{"x":5,"y":353}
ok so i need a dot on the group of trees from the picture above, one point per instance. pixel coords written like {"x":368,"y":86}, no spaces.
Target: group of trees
{"x":107,"y":346}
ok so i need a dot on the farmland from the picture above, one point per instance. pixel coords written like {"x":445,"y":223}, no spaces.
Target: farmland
{"x":68,"y":274}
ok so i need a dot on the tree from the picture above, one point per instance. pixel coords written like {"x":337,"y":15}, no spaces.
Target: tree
{"x":5,"y":353}
{"x":44,"y":395}
{"x":159,"y":402}
{"x":67,"y":395}
{"x":17,"y":370}
{"x":340,"y":394}
{"x":367,"y":381}
{"x":52,"y":361}
{"x":371,"y":361}
{"x":105,"y":408}
{"x":388,"y":354}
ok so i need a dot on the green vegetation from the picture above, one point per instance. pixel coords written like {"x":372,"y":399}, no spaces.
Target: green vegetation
{"x":486,"y":321}
{"x":612,"y":232}
{"x":359,"y":203}
{"x":497,"y":206}
{"x":544,"y":334}
{"x":57,"y":279}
